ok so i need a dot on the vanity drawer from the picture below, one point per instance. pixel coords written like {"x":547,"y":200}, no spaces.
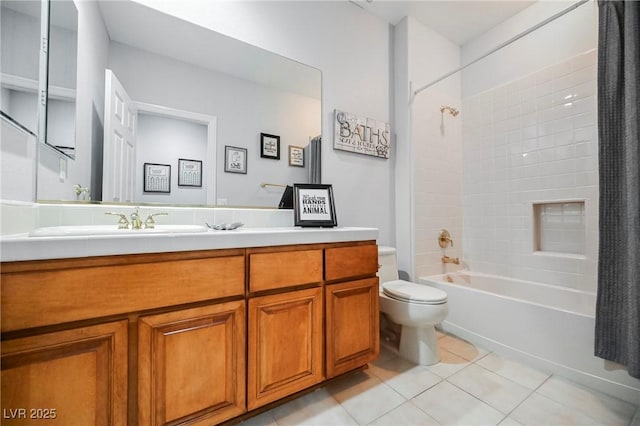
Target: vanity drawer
{"x":351,"y":261}
{"x":268,"y":271}
{"x":54,"y":292}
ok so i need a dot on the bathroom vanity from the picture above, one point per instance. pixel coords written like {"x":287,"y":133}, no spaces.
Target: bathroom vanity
{"x":197,"y":336}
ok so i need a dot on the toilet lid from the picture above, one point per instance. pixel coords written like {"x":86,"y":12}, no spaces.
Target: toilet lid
{"x":415,"y":293}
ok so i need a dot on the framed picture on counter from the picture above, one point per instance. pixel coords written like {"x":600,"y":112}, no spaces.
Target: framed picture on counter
{"x":313,"y":205}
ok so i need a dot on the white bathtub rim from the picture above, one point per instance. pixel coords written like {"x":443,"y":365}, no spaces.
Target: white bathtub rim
{"x":440,"y":278}
{"x":504,"y":277}
{"x":600,"y":384}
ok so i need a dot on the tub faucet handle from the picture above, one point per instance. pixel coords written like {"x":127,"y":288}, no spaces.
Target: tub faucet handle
{"x":444,"y":238}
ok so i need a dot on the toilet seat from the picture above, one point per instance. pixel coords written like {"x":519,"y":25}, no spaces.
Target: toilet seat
{"x":414,"y":293}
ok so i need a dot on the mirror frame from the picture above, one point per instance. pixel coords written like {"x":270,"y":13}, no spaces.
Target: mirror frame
{"x":43,"y":82}
{"x":43,"y":78}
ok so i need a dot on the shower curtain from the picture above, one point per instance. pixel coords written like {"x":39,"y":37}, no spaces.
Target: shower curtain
{"x":617,"y":336}
{"x":315,"y":160}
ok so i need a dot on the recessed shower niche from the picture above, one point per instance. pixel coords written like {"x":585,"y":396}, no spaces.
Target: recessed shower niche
{"x":559,"y":227}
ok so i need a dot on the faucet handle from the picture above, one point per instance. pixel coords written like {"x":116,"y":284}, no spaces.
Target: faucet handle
{"x":150,"y":223}
{"x":444,"y":238}
{"x":123,"y":223}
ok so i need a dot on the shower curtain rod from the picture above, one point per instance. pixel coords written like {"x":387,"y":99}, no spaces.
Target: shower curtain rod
{"x":505,"y":44}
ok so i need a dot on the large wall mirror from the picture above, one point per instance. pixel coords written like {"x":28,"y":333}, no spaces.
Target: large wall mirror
{"x":20,"y":50}
{"x":60,"y":113}
{"x":23,"y":68}
{"x":158,"y":102}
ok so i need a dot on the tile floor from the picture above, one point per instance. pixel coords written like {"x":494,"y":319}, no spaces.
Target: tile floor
{"x":470,"y":386}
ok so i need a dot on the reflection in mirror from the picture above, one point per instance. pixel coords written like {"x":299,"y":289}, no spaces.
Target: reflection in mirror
{"x":193,"y":92}
{"x":62,"y":66}
{"x":20,"y":50}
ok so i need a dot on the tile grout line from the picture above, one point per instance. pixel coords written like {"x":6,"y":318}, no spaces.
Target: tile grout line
{"x":506,"y":415}
{"x":529,"y":396}
{"x":386,"y":412}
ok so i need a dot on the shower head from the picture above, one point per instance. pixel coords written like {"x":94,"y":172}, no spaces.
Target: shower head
{"x":451,"y":110}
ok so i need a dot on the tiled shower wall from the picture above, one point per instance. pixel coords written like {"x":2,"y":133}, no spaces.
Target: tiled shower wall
{"x":437,"y":193}
{"x":531,"y":140}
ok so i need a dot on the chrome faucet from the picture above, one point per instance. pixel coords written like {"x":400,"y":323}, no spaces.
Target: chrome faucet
{"x":454,"y":260}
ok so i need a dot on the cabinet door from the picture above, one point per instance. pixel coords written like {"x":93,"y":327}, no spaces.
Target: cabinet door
{"x":191,"y":365}
{"x":352,"y":325}
{"x":285,"y":345}
{"x":72,"y":377}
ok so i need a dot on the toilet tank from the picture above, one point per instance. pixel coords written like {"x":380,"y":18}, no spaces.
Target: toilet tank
{"x":388,"y":270}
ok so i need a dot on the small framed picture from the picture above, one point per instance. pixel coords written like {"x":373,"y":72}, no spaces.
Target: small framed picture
{"x":157,"y":178}
{"x":313,"y":205}
{"x":269,"y":146}
{"x":235,"y":159}
{"x":189,"y":172}
{"x":296,"y":156}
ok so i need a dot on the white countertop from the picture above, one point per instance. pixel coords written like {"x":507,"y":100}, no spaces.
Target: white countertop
{"x":22,"y":247}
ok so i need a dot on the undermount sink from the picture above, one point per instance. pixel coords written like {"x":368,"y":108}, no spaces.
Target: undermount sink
{"x":87,"y":230}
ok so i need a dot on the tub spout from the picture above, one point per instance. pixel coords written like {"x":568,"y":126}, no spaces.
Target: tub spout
{"x":447,"y":259}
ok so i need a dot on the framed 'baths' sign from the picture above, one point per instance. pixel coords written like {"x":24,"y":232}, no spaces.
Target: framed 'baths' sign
{"x":361,"y":135}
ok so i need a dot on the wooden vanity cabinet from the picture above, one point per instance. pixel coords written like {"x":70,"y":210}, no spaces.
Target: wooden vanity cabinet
{"x":191,"y":365}
{"x":71,"y":377}
{"x":352,"y":325}
{"x":195,"y":337}
{"x":285,"y":343}
{"x":352,"y":314}
{"x":292,"y":343}
{"x":116,"y":340}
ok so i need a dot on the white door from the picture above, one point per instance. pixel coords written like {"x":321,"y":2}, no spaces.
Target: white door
{"x":120,"y":117}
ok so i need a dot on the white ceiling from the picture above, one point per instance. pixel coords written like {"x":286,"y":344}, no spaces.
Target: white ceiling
{"x":459,"y":21}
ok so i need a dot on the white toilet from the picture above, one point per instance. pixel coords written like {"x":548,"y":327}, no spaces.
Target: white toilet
{"x":416,"y":307}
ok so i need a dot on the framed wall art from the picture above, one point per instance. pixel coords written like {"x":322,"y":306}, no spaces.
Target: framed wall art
{"x":157,"y":178}
{"x":296,"y":156}
{"x":361,"y":135}
{"x":313,"y":205}
{"x":269,"y":146}
{"x":235,"y":159}
{"x":189,"y":172}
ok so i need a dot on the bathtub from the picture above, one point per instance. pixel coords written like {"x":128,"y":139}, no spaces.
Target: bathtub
{"x":545,"y":326}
